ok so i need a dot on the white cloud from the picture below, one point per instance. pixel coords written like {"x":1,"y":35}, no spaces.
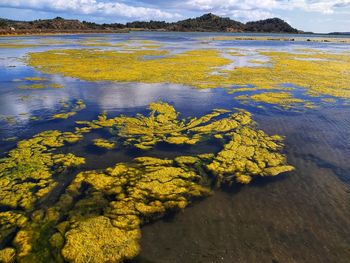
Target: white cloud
{"x":242,"y":10}
{"x":91,"y":7}
{"x":253,"y":7}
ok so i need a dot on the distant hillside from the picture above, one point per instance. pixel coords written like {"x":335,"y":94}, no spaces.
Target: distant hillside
{"x":271,"y":25}
{"x":213,"y":23}
{"x":208,"y":22}
{"x":205,"y":23}
{"x":56,"y":25}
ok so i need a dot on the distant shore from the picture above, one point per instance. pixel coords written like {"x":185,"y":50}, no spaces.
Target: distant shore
{"x":302,"y":38}
{"x":9,"y":33}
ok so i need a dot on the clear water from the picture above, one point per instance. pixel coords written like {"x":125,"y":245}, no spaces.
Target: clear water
{"x":300,"y":217}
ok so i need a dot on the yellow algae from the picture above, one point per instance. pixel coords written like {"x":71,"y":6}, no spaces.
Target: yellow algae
{"x":41,"y":86}
{"x":255,"y":61}
{"x":26,"y":174}
{"x":142,"y":190}
{"x":78,"y":106}
{"x":284,"y":99}
{"x":102,"y":143}
{"x":328,"y":76}
{"x":35,"y":79}
{"x":163,"y":125}
{"x":65,"y":115}
{"x":32,"y":86}
{"x":4,"y":45}
{"x":192,"y":67}
{"x":97,"y":240}
{"x":7,"y":255}
{"x":319,"y":73}
{"x":331,"y":100}
{"x":249,"y":153}
{"x":55,"y":86}
{"x":99,"y":216}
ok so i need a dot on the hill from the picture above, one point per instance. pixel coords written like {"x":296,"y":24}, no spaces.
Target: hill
{"x":206,"y":23}
{"x":271,"y":25}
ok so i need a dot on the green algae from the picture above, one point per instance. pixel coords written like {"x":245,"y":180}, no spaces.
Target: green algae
{"x":98,"y":215}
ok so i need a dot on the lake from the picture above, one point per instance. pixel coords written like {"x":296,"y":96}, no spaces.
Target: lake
{"x":298,"y":216}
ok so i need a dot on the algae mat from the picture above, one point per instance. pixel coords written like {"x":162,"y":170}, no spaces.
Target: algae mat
{"x":98,"y":217}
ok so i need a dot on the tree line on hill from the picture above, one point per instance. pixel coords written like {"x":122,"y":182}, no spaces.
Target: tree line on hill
{"x":205,"y":23}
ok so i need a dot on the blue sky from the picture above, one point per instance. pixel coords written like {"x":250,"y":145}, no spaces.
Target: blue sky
{"x":308,"y":15}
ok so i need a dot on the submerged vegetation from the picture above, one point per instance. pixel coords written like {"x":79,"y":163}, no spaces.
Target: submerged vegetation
{"x":78,"y":106}
{"x":313,"y":71}
{"x":43,"y":83}
{"x":50,"y":214}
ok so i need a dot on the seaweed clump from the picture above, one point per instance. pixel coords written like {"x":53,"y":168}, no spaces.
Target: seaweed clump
{"x":106,"y":144}
{"x":97,"y":216}
{"x":78,"y":106}
{"x":163,"y":125}
{"x":283,"y":99}
{"x":128,"y":196}
{"x":27,"y":173}
{"x":27,"y":176}
{"x":246,"y":151}
{"x":249,"y":153}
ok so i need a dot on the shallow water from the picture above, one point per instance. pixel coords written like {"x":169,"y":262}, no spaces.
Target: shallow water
{"x":303,"y":216}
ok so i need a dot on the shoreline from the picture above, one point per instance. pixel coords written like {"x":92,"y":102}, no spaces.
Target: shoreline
{"x":60,"y":33}
{"x":319,"y":38}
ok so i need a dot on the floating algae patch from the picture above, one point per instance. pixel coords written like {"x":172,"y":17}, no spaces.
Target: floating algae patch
{"x":43,"y":85}
{"x":283,"y":99}
{"x":319,"y":73}
{"x":27,"y":176}
{"x":33,"y":86}
{"x":35,"y":79}
{"x":192,"y":67}
{"x":9,"y":45}
{"x":97,"y":215}
{"x":78,"y":106}
{"x":163,"y":125}
{"x":252,"y":149}
{"x":103,"y":143}
{"x":328,"y":76}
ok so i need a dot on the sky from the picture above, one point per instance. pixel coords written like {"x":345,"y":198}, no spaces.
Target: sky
{"x":320,"y":16}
